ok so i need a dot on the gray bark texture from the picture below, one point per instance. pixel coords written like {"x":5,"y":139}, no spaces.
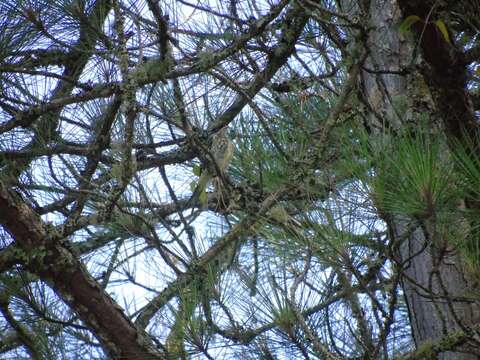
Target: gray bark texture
{"x":436,"y":282}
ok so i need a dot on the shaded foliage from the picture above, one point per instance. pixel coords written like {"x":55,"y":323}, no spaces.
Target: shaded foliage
{"x":108,"y":111}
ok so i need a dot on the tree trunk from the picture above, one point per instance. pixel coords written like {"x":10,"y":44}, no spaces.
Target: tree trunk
{"x":435,"y":280}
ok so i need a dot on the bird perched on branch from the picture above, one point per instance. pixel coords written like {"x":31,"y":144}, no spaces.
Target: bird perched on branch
{"x":221,"y":152}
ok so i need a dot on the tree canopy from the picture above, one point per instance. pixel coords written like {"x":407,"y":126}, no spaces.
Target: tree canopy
{"x":245,"y":179}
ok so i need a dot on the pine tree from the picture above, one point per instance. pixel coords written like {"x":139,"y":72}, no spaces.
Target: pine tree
{"x":340,"y":222}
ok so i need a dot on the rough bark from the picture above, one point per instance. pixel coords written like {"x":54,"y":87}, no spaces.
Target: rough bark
{"x":55,"y":263}
{"x":435,"y":281}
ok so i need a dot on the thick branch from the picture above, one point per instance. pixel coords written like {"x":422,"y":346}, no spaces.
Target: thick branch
{"x":60,"y":268}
